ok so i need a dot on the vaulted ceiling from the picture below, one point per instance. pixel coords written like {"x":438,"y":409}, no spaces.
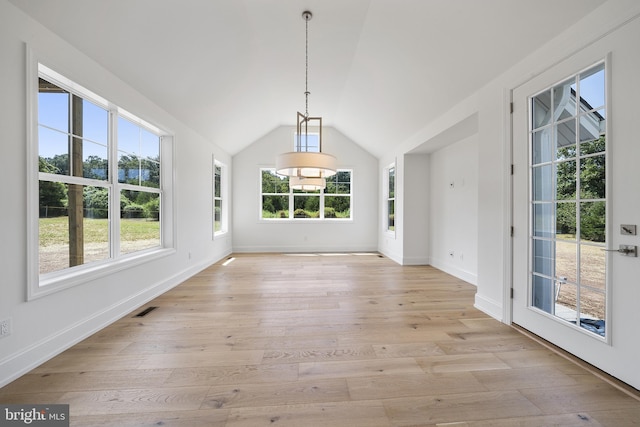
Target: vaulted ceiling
{"x":379,"y":70}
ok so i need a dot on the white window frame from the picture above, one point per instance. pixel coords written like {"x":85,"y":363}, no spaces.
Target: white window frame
{"x":224,"y":228}
{"x":387,"y":198}
{"x":291,"y":194}
{"x":40,"y":285}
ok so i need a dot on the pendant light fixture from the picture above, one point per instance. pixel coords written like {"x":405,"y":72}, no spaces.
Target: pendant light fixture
{"x":307,"y":169}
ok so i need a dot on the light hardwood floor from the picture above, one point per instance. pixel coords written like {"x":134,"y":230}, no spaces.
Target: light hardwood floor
{"x":348,"y":340}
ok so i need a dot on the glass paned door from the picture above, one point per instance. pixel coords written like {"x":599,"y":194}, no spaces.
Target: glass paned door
{"x":568,"y":200}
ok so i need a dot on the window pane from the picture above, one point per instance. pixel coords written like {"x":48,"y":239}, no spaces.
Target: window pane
{"x":95,"y":122}
{"x":337,"y":207}
{"x":307,"y":142}
{"x":567,"y":261}
{"x":340,"y":183}
{"x":564,"y":100}
{"x":565,"y":134}
{"x":306,"y":206}
{"x":391,"y":206}
{"x":542,"y":146}
{"x":593,"y":266}
{"x":592,"y":88}
{"x":149,"y":173}
{"x":592,"y":310}
{"x":543,"y":255}
{"x":53,"y":148}
{"x":217,"y":215}
{"x":216,"y":181}
{"x":592,"y":221}
{"x":566,"y":220}
{"x":275,"y":206}
{"x":566,"y":180}
{"x":95,"y":163}
{"x":274,"y":183}
{"x":543,"y":220}
{"x":592,"y":126}
{"x":542,"y":182}
{"x":541,"y":109}
{"x":128,"y":137}
{"x":567,"y":301}
{"x":83,"y":209}
{"x":391,"y":183}
{"x":149,"y":145}
{"x":140,"y":222}
{"x":53,"y":106}
{"x":542,"y":293}
{"x":592,"y":177}
{"x":128,"y":168}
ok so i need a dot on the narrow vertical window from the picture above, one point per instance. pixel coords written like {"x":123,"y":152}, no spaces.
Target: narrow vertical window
{"x":390,"y":198}
{"x":219,"y":196}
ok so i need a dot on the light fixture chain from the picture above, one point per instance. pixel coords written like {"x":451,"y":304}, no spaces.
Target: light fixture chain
{"x":306,"y":67}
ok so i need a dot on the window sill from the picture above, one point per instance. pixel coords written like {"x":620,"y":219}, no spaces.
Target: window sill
{"x":54,"y":282}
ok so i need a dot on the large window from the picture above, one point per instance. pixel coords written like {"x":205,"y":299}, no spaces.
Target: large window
{"x":99,"y":181}
{"x":278,"y":201}
{"x":390,"y":198}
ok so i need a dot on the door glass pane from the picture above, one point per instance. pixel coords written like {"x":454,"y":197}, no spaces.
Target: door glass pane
{"x":566,"y":180}
{"x":566,"y":301}
{"x":592,"y":177}
{"x":543,"y":293}
{"x":542,"y":182}
{"x":565,"y":134}
{"x":543,"y":220}
{"x":591,"y":127}
{"x":543,"y":257}
{"x":593,"y":268}
{"x":566,"y":220}
{"x":592,"y":88}
{"x":564,"y":100}
{"x":566,"y":261}
{"x":592,"y":310}
{"x":592,"y":221}
{"x":542,"y":146}
{"x":541,"y":106}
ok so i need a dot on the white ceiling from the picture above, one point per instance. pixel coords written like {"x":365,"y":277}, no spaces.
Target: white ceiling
{"x":379,"y":70}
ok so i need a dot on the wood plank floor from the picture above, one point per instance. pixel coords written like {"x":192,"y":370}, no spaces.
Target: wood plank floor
{"x":344,"y":340}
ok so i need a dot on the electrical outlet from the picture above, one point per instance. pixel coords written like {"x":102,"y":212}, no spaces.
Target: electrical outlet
{"x":5,"y":327}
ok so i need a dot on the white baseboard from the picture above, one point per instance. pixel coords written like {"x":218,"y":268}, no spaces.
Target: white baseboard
{"x":461,"y":274}
{"x":302,"y":249}
{"x":21,"y":362}
{"x":489,"y":306}
{"x":415,"y":260}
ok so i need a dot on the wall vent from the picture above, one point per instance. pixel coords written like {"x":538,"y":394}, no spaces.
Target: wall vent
{"x":145,"y":311}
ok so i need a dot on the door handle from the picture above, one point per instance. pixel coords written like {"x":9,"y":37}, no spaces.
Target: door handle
{"x":626,"y":250}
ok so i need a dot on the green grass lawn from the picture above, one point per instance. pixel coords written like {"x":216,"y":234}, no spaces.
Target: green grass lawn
{"x":55,"y":231}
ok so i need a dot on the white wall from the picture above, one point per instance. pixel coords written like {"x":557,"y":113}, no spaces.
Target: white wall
{"x":416,"y":181}
{"x":453,"y":209}
{"x":251,"y":234}
{"x":43,"y":327}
